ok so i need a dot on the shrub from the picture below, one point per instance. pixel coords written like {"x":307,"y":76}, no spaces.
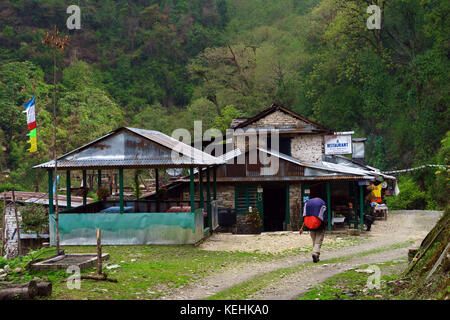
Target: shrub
{"x":102,"y":193}
{"x":34,"y":218}
{"x":410,"y":197}
{"x":254,"y":218}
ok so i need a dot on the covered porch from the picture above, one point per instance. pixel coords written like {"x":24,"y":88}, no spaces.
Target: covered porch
{"x":126,"y":221}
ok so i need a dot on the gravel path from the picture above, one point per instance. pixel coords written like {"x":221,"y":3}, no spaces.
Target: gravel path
{"x":401,"y":226}
{"x":293,"y":285}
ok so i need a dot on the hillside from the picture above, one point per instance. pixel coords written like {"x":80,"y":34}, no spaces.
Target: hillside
{"x":163,"y":64}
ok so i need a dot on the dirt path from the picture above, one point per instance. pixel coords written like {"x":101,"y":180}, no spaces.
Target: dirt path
{"x":400,"y":227}
{"x":292,"y":286}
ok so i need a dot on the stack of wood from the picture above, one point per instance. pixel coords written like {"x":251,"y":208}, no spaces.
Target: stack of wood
{"x":25,"y":291}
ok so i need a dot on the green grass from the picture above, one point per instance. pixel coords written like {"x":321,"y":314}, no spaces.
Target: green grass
{"x":245,"y":289}
{"x":351,"y":285}
{"x":144,"y":272}
{"x":345,"y":241}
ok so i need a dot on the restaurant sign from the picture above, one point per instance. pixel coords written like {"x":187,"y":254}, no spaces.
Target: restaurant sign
{"x":338,"y":144}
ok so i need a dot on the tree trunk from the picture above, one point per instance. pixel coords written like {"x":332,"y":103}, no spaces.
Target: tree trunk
{"x":25,"y":291}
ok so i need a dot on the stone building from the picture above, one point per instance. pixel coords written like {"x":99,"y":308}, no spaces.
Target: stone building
{"x":303,"y":171}
{"x":9,"y":232}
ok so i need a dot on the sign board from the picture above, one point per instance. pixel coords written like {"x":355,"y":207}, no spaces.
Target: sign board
{"x":338,"y":144}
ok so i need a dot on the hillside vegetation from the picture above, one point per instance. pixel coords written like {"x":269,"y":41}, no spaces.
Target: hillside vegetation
{"x":163,"y":64}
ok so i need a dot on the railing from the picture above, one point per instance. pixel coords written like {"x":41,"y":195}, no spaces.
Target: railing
{"x":139,"y":206}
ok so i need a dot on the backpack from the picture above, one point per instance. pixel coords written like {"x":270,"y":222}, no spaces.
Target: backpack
{"x":312,"y":222}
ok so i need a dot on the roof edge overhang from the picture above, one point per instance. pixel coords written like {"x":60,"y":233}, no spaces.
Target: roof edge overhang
{"x":211,"y":160}
{"x":275,"y":107}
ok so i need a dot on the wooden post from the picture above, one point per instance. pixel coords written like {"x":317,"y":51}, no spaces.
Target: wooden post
{"x":50,"y":191}
{"x":191,"y":188}
{"x":110,"y":179}
{"x":329,"y":205}
{"x":84,"y":186}
{"x":208,"y":198}
{"x":214,"y":183}
{"x":99,"y":252}
{"x":288,"y":208}
{"x":361,"y":207}
{"x":68,"y":191}
{"x":200,"y":180}
{"x":156,"y":180}
{"x":157,"y":189}
{"x":99,"y":179}
{"x":121,"y":190}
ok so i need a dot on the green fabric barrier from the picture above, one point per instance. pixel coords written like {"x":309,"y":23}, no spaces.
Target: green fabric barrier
{"x":129,"y":228}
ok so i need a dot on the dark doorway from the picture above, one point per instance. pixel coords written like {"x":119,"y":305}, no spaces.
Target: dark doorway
{"x":274,"y":202}
{"x":318,"y":190}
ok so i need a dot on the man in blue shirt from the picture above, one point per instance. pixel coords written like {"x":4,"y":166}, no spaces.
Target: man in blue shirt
{"x":316,"y":207}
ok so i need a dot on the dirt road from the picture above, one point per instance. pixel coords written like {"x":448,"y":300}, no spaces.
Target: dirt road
{"x":401,"y":226}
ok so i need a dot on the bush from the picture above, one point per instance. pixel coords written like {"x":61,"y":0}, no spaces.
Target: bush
{"x":34,"y":218}
{"x":255,"y":219}
{"x":102,"y":193}
{"x":410,"y":197}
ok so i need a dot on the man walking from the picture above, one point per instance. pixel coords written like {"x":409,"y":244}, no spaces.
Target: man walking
{"x":314,"y":218}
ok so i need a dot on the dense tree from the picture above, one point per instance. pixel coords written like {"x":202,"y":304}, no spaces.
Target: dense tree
{"x":162,"y":64}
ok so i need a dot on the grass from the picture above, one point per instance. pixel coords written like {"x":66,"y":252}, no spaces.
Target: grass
{"x":144,"y":272}
{"x":245,"y":289}
{"x":338,"y":242}
{"x":351,"y":285}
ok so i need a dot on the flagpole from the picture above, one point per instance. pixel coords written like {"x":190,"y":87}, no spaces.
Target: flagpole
{"x":36,"y":188}
{"x":56,"y":42}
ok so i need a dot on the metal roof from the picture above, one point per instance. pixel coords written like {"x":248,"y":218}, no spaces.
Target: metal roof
{"x":324,"y":168}
{"x":42,"y":198}
{"x":134,"y":148}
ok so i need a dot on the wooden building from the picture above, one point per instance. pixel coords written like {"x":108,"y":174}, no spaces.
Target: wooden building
{"x":303,"y":172}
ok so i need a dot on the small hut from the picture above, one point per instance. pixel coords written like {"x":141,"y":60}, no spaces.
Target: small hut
{"x":133,"y":222}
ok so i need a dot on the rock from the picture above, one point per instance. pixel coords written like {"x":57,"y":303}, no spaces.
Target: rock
{"x":378,"y":296}
{"x":7,"y":268}
{"x":2,"y":271}
{"x":113,"y":266}
{"x":3,"y":277}
{"x":133,"y":260}
{"x":17,"y":270}
{"x":37,"y":279}
{"x":369,"y":271}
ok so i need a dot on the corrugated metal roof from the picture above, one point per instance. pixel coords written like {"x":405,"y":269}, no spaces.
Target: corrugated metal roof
{"x":134,"y":148}
{"x":331,"y":168}
{"x":42,"y":198}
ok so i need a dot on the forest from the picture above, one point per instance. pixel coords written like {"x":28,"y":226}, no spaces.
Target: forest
{"x":161,"y":64}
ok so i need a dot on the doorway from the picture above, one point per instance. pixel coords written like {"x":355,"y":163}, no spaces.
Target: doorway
{"x":274,"y":204}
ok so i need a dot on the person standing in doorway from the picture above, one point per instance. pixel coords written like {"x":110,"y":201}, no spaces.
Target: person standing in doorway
{"x":314,"y":218}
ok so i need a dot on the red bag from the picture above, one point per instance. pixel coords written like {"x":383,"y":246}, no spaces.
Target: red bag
{"x":312,"y":222}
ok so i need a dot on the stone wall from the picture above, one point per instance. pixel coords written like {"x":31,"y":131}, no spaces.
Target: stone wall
{"x":295,"y":209}
{"x":277,"y":119}
{"x":225,"y":194}
{"x":10,"y":227}
{"x":244,"y":226}
{"x":307,"y":148}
